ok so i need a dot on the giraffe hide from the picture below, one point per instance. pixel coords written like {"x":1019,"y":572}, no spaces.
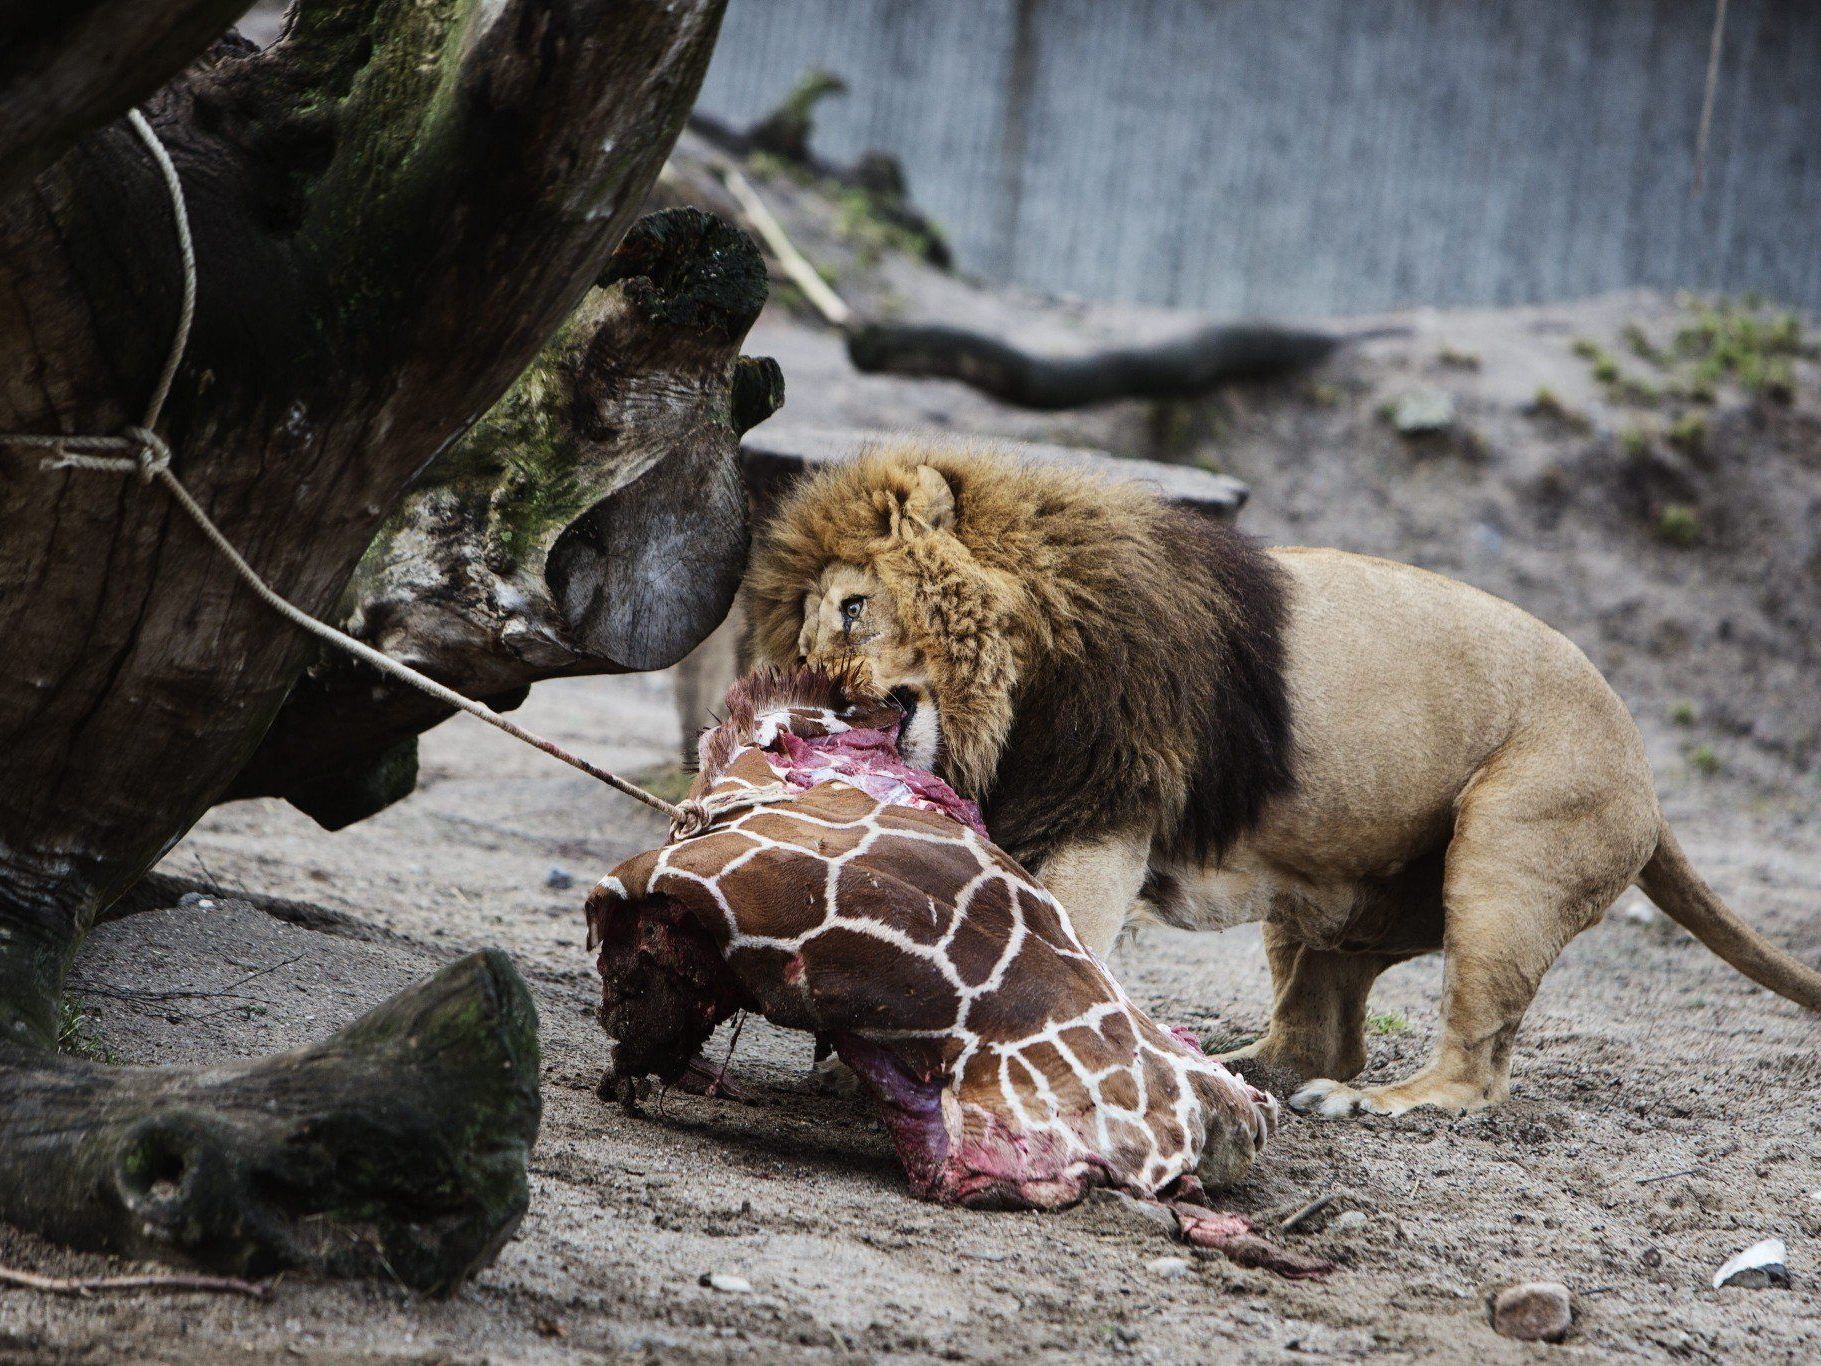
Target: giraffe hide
{"x":836,"y":890}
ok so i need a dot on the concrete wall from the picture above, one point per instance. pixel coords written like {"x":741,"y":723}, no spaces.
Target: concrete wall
{"x":1321,"y":156}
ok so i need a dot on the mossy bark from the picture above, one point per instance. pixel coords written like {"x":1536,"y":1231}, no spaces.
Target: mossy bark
{"x":395,"y":1148}
{"x":594,"y":521}
{"x":394,"y":207}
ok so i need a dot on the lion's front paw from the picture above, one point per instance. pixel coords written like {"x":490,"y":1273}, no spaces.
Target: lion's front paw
{"x":1329,"y":1099}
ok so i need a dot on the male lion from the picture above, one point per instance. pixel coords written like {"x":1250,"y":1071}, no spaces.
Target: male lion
{"x":1158,"y":716}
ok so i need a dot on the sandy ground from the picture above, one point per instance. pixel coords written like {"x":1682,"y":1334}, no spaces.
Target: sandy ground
{"x":1644,"y":1057}
{"x":1664,"y":1113}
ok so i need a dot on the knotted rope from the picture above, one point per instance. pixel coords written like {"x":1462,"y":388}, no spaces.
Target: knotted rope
{"x":148,"y":456}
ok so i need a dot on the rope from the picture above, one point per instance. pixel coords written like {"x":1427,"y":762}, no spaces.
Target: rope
{"x":150,"y":458}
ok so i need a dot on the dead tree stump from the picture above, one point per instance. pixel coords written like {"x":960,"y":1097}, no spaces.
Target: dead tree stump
{"x":395,"y":206}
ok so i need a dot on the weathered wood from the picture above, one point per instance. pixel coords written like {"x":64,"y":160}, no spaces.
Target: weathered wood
{"x":69,"y":67}
{"x":592,"y":522}
{"x":394,"y":207}
{"x":1175,"y":367}
{"x":395,"y":1147}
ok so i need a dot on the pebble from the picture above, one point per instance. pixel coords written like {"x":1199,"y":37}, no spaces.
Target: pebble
{"x":1347,"y":1220}
{"x":1426,"y":410}
{"x":1168,"y":1267}
{"x":559,"y":879}
{"x":727,"y":1283}
{"x":1533,"y":1311}
{"x":1759,"y":1266}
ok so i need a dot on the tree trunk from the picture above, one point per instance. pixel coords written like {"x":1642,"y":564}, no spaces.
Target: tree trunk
{"x":593,"y":521}
{"x":394,"y":207}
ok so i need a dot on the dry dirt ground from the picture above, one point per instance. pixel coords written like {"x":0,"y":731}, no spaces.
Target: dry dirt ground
{"x":1665,"y":1110}
{"x":1644,"y":1057}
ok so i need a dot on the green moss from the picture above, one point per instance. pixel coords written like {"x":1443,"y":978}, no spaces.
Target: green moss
{"x":1683,"y":713}
{"x":874,"y":225}
{"x":762,"y":165}
{"x":1688,"y":433}
{"x":1703,"y":760}
{"x":1636,"y":390}
{"x":1387,"y":1023}
{"x":1548,"y":404}
{"x":1458,"y":359}
{"x":74,"y":1037}
{"x":1635,"y":441}
{"x":1679,"y":524}
{"x":1642,"y":347}
{"x":1726,"y":343}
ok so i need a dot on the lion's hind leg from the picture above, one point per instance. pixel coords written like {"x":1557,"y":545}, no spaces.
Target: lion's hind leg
{"x":1517,"y":887}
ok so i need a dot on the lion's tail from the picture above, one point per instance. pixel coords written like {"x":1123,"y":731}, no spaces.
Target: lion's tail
{"x":1671,"y":881}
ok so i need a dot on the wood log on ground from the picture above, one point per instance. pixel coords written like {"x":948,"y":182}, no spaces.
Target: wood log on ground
{"x":395,"y":206}
{"x":1176,"y":367}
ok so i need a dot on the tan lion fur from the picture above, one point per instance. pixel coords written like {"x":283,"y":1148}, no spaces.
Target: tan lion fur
{"x":1372,"y":760}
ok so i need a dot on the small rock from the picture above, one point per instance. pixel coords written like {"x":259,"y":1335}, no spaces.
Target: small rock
{"x":727,"y":1283}
{"x":1169,"y":1267}
{"x":1533,"y":1311}
{"x":1422,"y":412}
{"x":1347,"y":1220}
{"x":1760,"y":1265}
{"x":559,"y":879}
{"x":196,"y":901}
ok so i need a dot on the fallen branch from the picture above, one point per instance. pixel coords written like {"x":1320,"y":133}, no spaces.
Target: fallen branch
{"x":89,"y":1285}
{"x":795,"y":264}
{"x":1177,"y":368}
{"x":1306,"y":1213}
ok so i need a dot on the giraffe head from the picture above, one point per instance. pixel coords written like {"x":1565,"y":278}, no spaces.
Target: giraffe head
{"x":839,"y":890}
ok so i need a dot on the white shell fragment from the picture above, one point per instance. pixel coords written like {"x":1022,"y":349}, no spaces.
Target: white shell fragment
{"x":1760,"y":1265}
{"x":727,"y":1283}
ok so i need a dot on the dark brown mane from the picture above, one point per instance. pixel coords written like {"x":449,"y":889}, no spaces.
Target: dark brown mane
{"x":1173,"y":699}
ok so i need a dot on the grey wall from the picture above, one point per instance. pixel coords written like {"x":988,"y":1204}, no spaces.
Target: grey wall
{"x":1319,"y":156}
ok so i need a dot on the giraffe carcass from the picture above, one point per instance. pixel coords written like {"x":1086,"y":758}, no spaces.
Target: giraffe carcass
{"x":823,"y":882}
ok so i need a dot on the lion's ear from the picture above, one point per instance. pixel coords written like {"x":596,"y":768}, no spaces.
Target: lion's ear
{"x":931,"y":505}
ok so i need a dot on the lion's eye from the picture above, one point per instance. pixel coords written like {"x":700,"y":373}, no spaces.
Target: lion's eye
{"x":851,"y":609}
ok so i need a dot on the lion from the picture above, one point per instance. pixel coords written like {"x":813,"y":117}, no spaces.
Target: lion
{"x":1163,"y":719}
